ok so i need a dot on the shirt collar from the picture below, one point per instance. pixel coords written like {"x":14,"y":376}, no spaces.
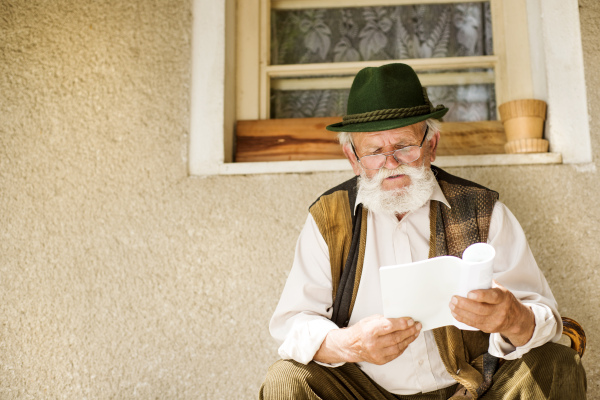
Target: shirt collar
{"x":437,"y":195}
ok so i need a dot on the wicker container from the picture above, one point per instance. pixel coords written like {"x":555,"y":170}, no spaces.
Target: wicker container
{"x":527,"y":146}
{"x":524,"y":120}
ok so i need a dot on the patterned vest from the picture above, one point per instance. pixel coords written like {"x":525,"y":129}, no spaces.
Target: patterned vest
{"x":467,"y":221}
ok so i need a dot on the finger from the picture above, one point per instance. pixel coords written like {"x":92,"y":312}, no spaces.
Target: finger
{"x":490,"y":322}
{"x":401,"y":335}
{"x":399,"y":347}
{"x":467,"y":319}
{"x":471,"y":319}
{"x":464,"y":315}
{"x":378,"y":325}
{"x":402,"y":323}
{"x":490,"y":296}
{"x":391,"y":325}
{"x":381,"y":354}
{"x":495,"y":284}
{"x":396,"y":337}
{"x":403,"y":344}
{"x":460,"y":304}
{"x":390,"y":356}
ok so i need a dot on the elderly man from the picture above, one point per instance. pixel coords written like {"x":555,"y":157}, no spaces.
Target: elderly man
{"x":334,"y":342}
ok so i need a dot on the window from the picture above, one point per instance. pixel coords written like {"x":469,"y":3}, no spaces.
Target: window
{"x":514,"y":69}
{"x":314,"y":54}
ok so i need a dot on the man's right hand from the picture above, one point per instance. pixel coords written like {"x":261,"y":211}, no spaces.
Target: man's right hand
{"x":374,"y":339}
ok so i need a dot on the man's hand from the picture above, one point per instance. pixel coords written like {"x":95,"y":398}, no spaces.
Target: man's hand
{"x":374,"y":339}
{"x":495,"y":310}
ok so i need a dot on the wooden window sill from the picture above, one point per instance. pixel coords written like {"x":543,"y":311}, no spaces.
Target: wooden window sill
{"x":273,"y":167}
{"x":304,"y":145}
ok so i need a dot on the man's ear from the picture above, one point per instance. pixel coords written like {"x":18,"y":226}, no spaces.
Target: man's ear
{"x":433,"y":142}
{"x":352,"y":158}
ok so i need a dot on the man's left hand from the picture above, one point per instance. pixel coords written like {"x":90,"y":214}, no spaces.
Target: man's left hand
{"x":495,"y":310}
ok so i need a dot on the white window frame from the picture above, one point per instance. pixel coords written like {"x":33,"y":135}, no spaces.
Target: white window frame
{"x":557,"y":76}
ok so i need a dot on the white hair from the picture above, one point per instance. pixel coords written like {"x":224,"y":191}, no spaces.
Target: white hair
{"x":346,"y":138}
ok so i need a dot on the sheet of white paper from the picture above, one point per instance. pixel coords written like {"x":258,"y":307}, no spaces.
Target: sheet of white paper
{"x":422,"y":290}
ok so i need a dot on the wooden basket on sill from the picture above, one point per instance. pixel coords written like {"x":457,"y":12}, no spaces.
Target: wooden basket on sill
{"x":524,"y":125}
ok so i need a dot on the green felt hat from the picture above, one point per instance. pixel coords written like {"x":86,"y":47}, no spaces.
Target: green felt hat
{"x":386,"y":97}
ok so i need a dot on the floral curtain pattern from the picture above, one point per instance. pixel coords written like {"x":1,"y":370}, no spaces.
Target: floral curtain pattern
{"x":465,"y":103}
{"x":309,"y":103}
{"x":381,"y":33}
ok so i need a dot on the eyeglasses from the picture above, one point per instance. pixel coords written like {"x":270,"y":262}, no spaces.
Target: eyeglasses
{"x":404,"y":155}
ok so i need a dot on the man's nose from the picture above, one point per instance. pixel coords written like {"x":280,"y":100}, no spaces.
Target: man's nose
{"x":390,"y":162}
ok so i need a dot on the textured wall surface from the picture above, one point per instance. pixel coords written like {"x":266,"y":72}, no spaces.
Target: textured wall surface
{"x":122,"y":277}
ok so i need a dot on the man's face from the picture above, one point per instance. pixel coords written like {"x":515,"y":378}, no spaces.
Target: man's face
{"x":367,"y":143}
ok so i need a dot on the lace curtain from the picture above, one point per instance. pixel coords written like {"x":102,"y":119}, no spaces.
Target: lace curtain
{"x":382,"y":33}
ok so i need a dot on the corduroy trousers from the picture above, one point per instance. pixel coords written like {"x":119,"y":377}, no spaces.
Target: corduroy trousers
{"x":552,"y":371}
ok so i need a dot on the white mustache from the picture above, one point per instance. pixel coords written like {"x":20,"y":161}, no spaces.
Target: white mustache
{"x":397,"y":201}
{"x":384,"y":173}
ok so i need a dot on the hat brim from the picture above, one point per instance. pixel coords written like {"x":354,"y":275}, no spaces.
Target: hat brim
{"x":384,"y":125}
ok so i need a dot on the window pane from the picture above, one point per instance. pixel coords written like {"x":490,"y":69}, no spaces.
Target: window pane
{"x":308,"y":103}
{"x":380,"y":33}
{"x":465,"y":102}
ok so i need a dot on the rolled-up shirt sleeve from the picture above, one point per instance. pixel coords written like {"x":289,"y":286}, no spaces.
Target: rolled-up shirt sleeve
{"x":301,"y":320}
{"x":516,"y":269}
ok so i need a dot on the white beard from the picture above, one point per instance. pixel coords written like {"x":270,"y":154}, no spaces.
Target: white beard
{"x":397,"y":201}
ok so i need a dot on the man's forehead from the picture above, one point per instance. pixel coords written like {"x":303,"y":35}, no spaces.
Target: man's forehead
{"x":409,"y":132}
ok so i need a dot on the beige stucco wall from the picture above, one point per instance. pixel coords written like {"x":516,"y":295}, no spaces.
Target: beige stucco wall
{"x":122,"y":277}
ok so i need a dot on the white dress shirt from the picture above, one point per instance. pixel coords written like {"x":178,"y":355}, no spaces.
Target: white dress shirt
{"x":301,"y":319}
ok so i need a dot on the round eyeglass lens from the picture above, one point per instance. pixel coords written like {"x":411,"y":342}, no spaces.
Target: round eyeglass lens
{"x":408,"y":154}
{"x":374,"y":161}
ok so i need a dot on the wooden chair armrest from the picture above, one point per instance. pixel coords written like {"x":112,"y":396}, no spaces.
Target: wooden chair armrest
{"x":575,"y":332}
